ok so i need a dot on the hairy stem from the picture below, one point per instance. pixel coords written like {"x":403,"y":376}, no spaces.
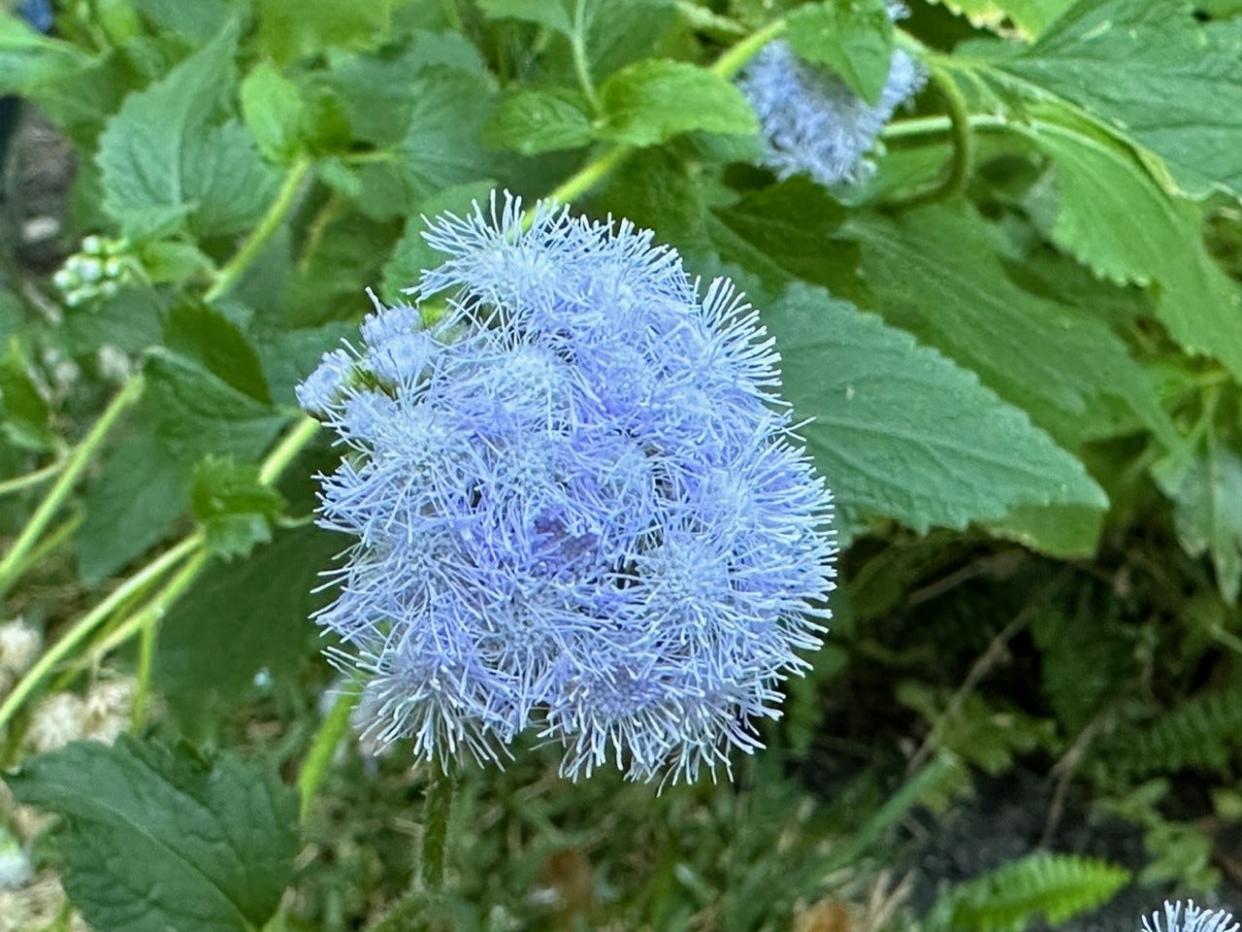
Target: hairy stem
{"x":582,"y":66}
{"x":286,"y":198}
{"x":436,"y":809}
{"x":72,"y":469}
{"x":737,"y":56}
{"x":327,"y":737}
{"x":42,"y":474}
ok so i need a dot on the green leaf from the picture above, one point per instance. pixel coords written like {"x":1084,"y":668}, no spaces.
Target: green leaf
{"x":195,"y":412}
{"x":197,"y":22}
{"x":1114,"y":217}
{"x":534,"y":121}
{"x":554,"y":14}
{"x":1029,"y":17}
{"x":200,"y":332}
{"x":241,"y":618}
{"x":289,"y":356}
{"x":937,"y":272}
{"x":129,"y":320}
{"x":440,"y":148}
{"x":130,"y":505}
{"x":652,"y":101}
{"x":852,"y":37}
{"x":1156,"y":76}
{"x":1206,"y":489}
{"x":157,"y":839}
{"x":412,"y":254}
{"x":26,"y":412}
{"x":292,"y":29}
{"x":900,"y":432}
{"x":272,"y":108}
{"x":234,"y":509}
{"x":164,"y":158}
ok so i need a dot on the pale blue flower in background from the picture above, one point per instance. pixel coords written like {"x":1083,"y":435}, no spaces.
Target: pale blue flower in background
{"x":577,"y":503}
{"x":1189,"y":918}
{"x":812,"y":122}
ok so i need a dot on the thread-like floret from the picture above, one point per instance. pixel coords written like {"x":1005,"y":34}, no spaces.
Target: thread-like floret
{"x":577,"y":505}
{"x":1190,"y":918}
{"x":812,"y":122}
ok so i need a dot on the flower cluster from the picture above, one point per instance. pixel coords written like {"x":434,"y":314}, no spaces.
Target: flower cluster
{"x":1191,"y":918}
{"x":577,"y":503}
{"x":812,"y":122}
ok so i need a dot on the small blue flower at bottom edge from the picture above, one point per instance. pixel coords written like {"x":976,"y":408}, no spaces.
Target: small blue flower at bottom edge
{"x":577,"y":506}
{"x":1189,"y":918}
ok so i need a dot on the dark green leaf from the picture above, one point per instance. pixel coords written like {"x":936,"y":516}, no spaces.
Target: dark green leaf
{"x":241,"y":618}
{"x":1206,"y":489}
{"x":203,"y":333}
{"x":554,"y":14}
{"x":901,"y":432}
{"x":234,"y":509}
{"x":852,"y":37}
{"x":197,"y":22}
{"x":195,"y":412}
{"x":25,"y":410}
{"x":157,"y":839}
{"x":652,"y":101}
{"x":292,"y":29}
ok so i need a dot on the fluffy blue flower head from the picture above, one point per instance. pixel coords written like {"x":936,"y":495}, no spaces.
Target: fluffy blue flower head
{"x":812,"y":122}
{"x":1190,"y":918}
{"x":576,"y":503}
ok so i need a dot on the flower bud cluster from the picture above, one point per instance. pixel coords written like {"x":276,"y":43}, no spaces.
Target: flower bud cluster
{"x":97,"y":270}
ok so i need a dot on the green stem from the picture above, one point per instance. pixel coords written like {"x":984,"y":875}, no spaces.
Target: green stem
{"x":17,"y":483}
{"x":276,"y":214}
{"x":89,"y":622}
{"x":582,"y":66}
{"x":735,"y":59}
{"x":933,"y":125}
{"x":436,"y":809}
{"x":147,"y":621}
{"x":287,"y":450}
{"x":73,"y":467}
{"x":329,"y":735}
{"x":49,"y":543}
{"x":963,"y":160}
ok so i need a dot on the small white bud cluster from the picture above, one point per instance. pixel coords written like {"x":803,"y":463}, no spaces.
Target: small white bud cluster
{"x":101,"y":715}
{"x":97,"y":270}
{"x":19,"y":646}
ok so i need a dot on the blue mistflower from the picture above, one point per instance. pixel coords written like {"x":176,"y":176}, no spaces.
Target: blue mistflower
{"x":812,"y":122}
{"x":577,"y":504}
{"x":1191,"y":918}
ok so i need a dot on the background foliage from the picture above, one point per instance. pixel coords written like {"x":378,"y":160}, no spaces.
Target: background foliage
{"x":1019,"y":340}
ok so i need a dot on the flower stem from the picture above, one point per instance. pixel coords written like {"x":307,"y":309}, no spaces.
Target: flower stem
{"x":582,"y":66}
{"x":137,"y":583}
{"x":436,"y":809}
{"x":147,"y":621}
{"x":17,"y":483}
{"x":327,"y":737}
{"x":286,"y":197}
{"x":963,"y":160}
{"x":287,"y":450}
{"x":737,"y":56}
{"x":72,"y":469}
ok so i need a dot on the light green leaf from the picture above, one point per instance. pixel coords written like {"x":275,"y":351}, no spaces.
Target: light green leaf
{"x":163,"y":157}
{"x":1155,"y":76}
{"x":272,"y":107}
{"x":937,"y":273}
{"x":292,"y":29}
{"x":652,"y":101}
{"x":534,"y":121}
{"x":234,"y":509}
{"x":241,"y":618}
{"x":157,"y":839}
{"x":25,"y":411}
{"x":554,"y":14}
{"x":197,"y":22}
{"x":852,"y":37}
{"x":1114,"y":217}
{"x":1028,"y":17}
{"x":900,"y":432}
{"x":1206,"y":489}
